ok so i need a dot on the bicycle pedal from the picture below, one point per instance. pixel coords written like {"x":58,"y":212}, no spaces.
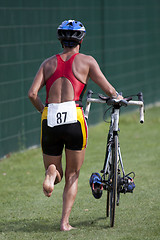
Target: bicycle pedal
{"x":96,"y":185}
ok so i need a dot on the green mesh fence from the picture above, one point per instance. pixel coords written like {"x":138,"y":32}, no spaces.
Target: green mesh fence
{"x":123,"y":36}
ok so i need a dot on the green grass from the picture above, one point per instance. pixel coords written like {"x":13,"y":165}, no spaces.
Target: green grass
{"x":25,"y":213}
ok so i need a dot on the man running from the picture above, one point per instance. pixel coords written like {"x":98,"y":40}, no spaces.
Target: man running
{"x":65,"y":77}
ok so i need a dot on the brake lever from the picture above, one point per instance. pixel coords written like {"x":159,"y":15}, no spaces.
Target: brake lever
{"x":123,"y":102}
{"x":108,"y":100}
{"x":128,"y":99}
{"x":104,"y":98}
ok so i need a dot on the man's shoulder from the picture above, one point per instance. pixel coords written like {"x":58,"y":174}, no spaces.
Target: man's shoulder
{"x":86,"y":57}
{"x":49,"y":60}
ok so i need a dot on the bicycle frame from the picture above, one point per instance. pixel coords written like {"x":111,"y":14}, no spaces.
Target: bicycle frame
{"x":106,"y":172}
{"x":114,"y":125}
{"x":114,"y":128}
{"x":111,"y":173}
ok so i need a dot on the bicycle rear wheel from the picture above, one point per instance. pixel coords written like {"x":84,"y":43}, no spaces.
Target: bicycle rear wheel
{"x":113,"y":193}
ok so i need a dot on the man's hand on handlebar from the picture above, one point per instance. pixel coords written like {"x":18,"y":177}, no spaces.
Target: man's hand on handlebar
{"x":120,"y":97}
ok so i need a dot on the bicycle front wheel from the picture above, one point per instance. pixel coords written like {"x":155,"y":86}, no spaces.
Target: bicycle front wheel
{"x":113,"y":193}
{"x":108,"y":204}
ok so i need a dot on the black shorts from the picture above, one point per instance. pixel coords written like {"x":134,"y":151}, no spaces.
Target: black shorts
{"x":73,"y":136}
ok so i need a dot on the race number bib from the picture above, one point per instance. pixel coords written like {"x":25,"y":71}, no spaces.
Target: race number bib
{"x":61,"y":113}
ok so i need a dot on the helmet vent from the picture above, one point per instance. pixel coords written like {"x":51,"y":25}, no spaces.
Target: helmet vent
{"x":70,"y":23}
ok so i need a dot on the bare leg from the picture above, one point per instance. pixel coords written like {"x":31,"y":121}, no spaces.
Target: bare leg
{"x":74,"y":161}
{"x":54,"y":173}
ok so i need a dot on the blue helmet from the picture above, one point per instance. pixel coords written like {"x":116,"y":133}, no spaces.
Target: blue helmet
{"x":71,"y":30}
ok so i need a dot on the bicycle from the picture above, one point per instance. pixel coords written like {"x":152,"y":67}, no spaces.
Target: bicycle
{"x":113,"y":179}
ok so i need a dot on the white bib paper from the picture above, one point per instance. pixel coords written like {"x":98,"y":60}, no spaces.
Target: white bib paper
{"x":61,"y":113}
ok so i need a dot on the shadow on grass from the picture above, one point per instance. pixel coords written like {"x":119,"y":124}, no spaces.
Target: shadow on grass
{"x":32,"y":225}
{"x":43,"y":225}
{"x":97,"y":223}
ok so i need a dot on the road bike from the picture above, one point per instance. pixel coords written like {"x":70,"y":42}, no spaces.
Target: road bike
{"x":113,"y":179}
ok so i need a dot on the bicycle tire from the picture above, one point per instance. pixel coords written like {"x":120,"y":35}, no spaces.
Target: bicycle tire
{"x":113,"y":193}
{"x":108,"y":192}
{"x":108,"y":204}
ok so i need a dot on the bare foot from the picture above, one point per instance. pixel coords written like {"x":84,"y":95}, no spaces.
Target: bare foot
{"x":66,"y":227}
{"x":48,"y":184}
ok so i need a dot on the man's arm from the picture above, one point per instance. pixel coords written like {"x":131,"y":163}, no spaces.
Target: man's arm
{"x":97,"y":76}
{"x":37,"y":84}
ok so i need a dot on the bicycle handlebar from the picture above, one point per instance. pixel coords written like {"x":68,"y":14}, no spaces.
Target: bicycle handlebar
{"x":141,"y":108}
{"x":114,"y":102}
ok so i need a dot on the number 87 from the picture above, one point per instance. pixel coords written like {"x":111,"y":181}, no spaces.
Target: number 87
{"x":61,"y":117}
